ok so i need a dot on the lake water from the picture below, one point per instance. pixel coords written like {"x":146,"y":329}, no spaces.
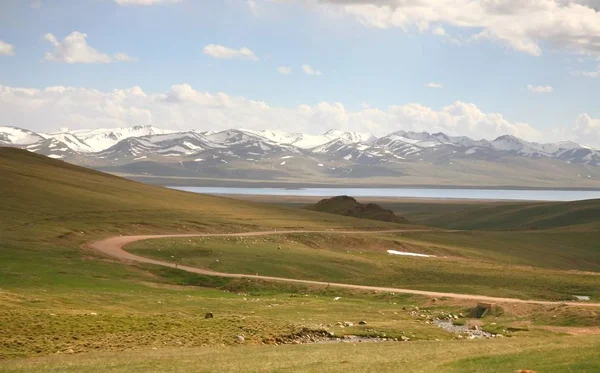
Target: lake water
{"x":493,"y":194}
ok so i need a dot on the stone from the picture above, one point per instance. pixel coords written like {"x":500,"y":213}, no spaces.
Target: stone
{"x":362,"y":322}
{"x":524,"y":371}
{"x":404,"y":339}
{"x":209,"y":315}
{"x":348,"y":323}
{"x":240,"y":338}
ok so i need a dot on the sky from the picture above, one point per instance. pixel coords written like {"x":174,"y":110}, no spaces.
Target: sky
{"x":478,"y":68}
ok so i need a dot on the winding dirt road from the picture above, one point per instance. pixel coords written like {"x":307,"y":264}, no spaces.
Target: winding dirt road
{"x":114,"y":247}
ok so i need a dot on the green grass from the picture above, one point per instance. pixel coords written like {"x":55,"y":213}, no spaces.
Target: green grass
{"x":46,"y":200}
{"x":552,"y":355}
{"x":66,"y":308}
{"x":501,"y":215}
{"x":362,"y":259}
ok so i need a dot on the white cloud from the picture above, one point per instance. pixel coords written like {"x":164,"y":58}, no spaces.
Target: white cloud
{"x":308,"y":70}
{"x":219,"y":51}
{"x":6,"y":49}
{"x":284,"y":70}
{"x":540,"y":88}
{"x":253,"y":7}
{"x":439,"y":31}
{"x":523,"y":25}
{"x":122,"y":57}
{"x":182,"y":107}
{"x":434,"y":85}
{"x":587,"y":130}
{"x":144,"y":2}
{"x":75,"y":49}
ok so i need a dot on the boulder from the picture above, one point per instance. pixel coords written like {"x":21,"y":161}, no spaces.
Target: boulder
{"x":362,"y":322}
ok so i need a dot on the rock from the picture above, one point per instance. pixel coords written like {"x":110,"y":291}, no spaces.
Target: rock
{"x":362,"y":322}
{"x":70,"y":351}
{"x":240,"y":338}
{"x":524,"y":371}
{"x":473,"y":327}
{"x":404,"y":339}
{"x":337,"y":298}
{"x":339,"y":323}
{"x":348,"y":323}
{"x":209,"y":315}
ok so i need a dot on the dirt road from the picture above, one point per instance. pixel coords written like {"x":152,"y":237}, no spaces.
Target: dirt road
{"x":114,"y":247}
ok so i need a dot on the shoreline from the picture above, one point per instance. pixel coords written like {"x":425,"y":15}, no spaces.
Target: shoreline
{"x":262,"y":184}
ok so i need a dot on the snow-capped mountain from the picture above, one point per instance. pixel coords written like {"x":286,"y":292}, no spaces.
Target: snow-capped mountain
{"x":306,"y":141}
{"x":103,"y":138}
{"x":335,"y":148}
{"x":13,"y":136}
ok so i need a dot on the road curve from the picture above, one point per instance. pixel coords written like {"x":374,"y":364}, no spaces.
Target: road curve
{"x":114,"y":247}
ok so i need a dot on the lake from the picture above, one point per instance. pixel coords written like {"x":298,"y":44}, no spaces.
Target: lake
{"x":490,"y":194}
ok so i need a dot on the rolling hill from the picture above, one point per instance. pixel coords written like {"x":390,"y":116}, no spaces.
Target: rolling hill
{"x":577,"y":215}
{"x":46,"y":199}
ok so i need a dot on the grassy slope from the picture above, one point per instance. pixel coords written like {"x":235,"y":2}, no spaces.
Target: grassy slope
{"x":503,"y":215}
{"x":362,"y":259}
{"x":43,"y":199}
{"x":50,"y":289}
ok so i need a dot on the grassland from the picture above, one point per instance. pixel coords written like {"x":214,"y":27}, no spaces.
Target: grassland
{"x":67,"y":308}
{"x":362,"y":259}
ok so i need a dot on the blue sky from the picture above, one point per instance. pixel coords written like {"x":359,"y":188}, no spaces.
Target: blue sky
{"x":363,"y":60}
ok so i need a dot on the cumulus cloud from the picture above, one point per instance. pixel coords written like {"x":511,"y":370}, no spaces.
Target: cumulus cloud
{"x":284,"y":70}
{"x":308,"y":70}
{"x":221,"y":52}
{"x":183,"y":107}
{"x":144,"y":2}
{"x":587,"y":130}
{"x":540,"y":88}
{"x":6,"y":49}
{"x":75,"y":49}
{"x":523,"y":25}
{"x":434,"y":85}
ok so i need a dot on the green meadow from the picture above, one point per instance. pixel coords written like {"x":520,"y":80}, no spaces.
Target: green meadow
{"x":64,"y":307}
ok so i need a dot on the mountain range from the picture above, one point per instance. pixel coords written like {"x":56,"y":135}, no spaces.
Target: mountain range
{"x":399,"y":158}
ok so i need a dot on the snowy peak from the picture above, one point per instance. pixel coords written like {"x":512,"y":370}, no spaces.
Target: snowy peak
{"x":250,"y":145}
{"x":349,"y":137}
{"x":104,"y":138}
{"x":18,"y":136}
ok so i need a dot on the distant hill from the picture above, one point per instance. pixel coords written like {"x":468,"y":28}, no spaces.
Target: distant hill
{"x":44,"y":198}
{"x":348,"y":206}
{"x":581,"y":215}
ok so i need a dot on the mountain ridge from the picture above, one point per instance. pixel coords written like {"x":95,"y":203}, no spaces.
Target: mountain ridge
{"x":429,"y":158}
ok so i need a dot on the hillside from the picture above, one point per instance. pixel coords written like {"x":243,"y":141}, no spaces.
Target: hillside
{"x":348,"y":206}
{"x":45,"y":199}
{"x":502,"y":215}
